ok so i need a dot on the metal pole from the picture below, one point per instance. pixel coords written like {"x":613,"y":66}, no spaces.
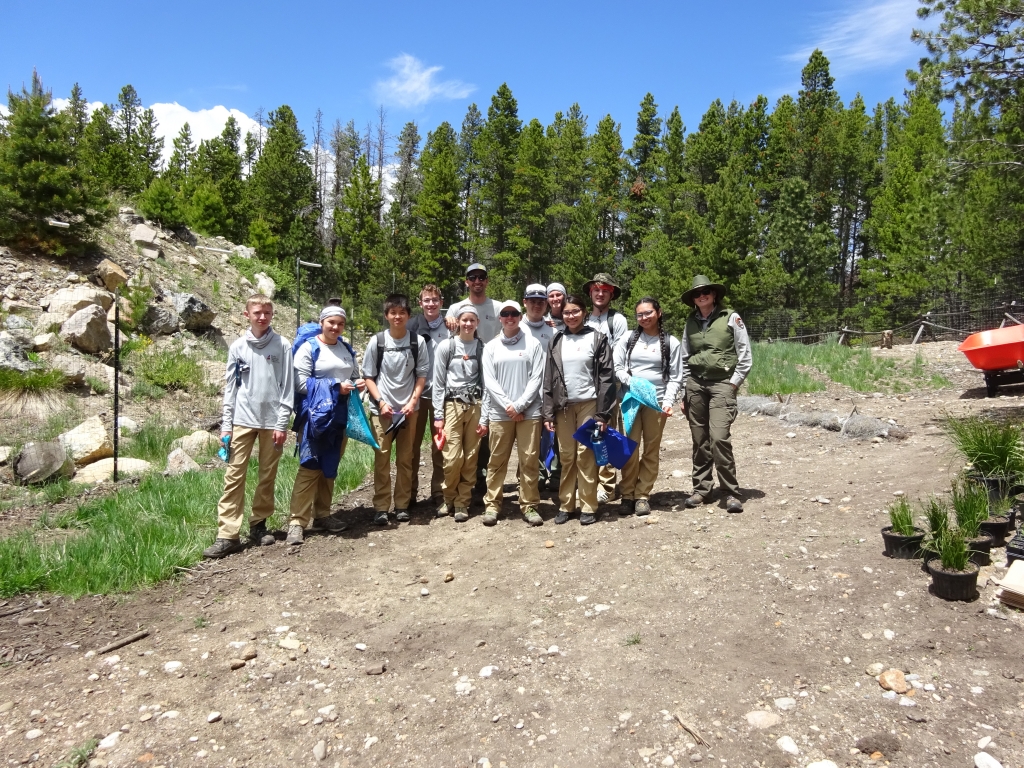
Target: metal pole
{"x":298,"y":294}
{"x":117,"y":375}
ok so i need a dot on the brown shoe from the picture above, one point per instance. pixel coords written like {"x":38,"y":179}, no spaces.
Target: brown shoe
{"x":732,"y":504}
{"x":695,"y":501}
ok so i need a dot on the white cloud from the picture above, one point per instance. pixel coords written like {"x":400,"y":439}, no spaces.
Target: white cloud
{"x":204,"y":123}
{"x":414,"y":84}
{"x":867,"y":36}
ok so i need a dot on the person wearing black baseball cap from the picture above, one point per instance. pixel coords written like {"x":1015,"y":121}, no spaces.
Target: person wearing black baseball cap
{"x":487,"y":309}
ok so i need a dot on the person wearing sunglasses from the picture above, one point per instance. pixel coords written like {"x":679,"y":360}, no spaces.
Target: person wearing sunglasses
{"x":513,"y":370}
{"x":487,"y":309}
{"x":716,"y":359}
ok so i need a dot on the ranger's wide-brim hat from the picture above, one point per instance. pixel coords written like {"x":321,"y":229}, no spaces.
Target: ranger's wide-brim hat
{"x":602,"y":277}
{"x":702,"y":281}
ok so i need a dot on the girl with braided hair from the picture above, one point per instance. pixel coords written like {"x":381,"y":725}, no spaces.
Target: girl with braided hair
{"x":647,"y":353}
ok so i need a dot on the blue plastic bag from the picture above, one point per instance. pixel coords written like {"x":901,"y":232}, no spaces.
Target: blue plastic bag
{"x":620,"y":447}
{"x":358,"y":427}
{"x":641,"y":392}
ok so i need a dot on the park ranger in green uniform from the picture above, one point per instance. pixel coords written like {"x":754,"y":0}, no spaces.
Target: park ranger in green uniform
{"x":716,"y":359}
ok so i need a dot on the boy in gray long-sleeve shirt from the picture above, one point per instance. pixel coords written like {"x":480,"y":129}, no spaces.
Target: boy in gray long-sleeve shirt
{"x":257,"y":405}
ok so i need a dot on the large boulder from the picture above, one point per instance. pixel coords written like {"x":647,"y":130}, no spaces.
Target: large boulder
{"x":127,"y":216}
{"x":143,"y":235}
{"x":43,"y":342}
{"x":126,"y":310}
{"x":111,"y":274}
{"x":197,"y":442}
{"x":244,"y":251}
{"x":12,"y":354}
{"x":193,"y":313}
{"x":87,"y":330}
{"x":49,"y":322}
{"x":159,"y":319}
{"x":72,"y":366}
{"x":15,"y":307}
{"x":179,"y":462}
{"x":68,"y":301}
{"x":88,"y":442}
{"x":265,"y":284}
{"x":103,"y":469}
{"x":39,"y":462}
{"x":17,"y":323}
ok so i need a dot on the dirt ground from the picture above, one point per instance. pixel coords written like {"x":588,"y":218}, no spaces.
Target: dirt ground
{"x":559,"y":645}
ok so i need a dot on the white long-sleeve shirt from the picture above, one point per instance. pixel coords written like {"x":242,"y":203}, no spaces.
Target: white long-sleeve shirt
{"x":262,"y":397}
{"x":612,"y":325}
{"x":646,"y":362}
{"x":513,"y":374}
{"x":332,"y":362}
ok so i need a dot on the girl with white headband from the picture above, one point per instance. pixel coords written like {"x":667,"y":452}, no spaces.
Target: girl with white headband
{"x":314,"y":486}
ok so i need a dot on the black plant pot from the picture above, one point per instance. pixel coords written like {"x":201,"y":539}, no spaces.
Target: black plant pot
{"x":981,"y":549}
{"x":1015,"y":548}
{"x":902,"y":547}
{"x":1000,"y":487}
{"x":926,"y":558}
{"x":954,"y":585}
{"x":997,"y":528}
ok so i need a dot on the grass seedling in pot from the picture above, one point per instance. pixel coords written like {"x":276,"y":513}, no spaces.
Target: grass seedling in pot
{"x":970,"y":505}
{"x":993,"y":448}
{"x":901,"y":517}
{"x":952,"y":550}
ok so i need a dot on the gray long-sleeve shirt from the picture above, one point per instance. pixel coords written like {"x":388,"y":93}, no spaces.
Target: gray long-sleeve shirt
{"x":513,"y":374}
{"x":332,"y":362}
{"x":489,"y":326}
{"x":741,"y":340}
{"x":262,"y":397}
{"x":646,"y":362}
{"x":612,"y":325}
{"x":397,"y":379}
{"x":453,"y":369}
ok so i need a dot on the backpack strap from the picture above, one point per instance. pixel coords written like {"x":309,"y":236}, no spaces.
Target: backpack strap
{"x":314,"y":353}
{"x":413,"y":346}
{"x":380,"y":352}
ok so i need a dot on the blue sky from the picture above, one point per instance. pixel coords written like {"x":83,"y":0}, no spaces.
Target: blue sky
{"x":427,"y":62}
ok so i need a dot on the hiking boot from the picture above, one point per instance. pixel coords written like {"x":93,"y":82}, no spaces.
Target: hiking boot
{"x":732,"y":504}
{"x":380,"y":518}
{"x":627,"y":507}
{"x":221,"y":548}
{"x":328,"y":523}
{"x":695,"y":501}
{"x":443,"y":509}
{"x":532,"y":516}
{"x":587,"y":519}
{"x":259,"y":536}
{"x":642,"y":507}
{"x":490,"y":517}
{"x":461,"y":514}
{"x":603,"y":497}
{"x":295,"y":535}
{"x":402,"y":515}
{"x":562,"y":517}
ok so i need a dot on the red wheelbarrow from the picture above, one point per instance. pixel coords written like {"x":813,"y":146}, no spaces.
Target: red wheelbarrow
{"x":999,"y":353}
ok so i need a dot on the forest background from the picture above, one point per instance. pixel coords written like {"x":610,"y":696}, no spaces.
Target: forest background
{"x":814,"y":212}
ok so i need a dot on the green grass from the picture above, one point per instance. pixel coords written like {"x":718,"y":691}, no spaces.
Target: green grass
{"x":167,"y":369}
{"x":970,"y":506}
{"x":901,"y":517}
{"x":141,"y":535}
{"x":951,"y":548}
{"x":633,"y":639}
{"x":79,"y":756}
{"x":153,"y":441}
{"x":284,"y":280}
{"x":786,"y":368}
{"x":30,"y":382}
{"x":99,"y":386}
{"x":993,"y":448}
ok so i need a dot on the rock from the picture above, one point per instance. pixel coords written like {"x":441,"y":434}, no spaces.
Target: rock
{"x":985,"y":760}
{"x":882,"y":742}
{"x":822,"y":764}
{"x":68,"y":301}
{"x":35,"y":733}
{"x":111,"y":274}
{"x":549,"y":544}
{"x":464,"y":688}
{"x":159,"y":319}
{"x":5,"y":454}
{"x":143,"y":235}
{"x":244,"y":251}
{"x":72,"y":366}
{"x":12,"y":354}
{"x":17,"y":323}
{"x":125,"y":309}
{"x":6,"y":707}
{"x":984,"y":742}
{"x":289,"y":643}
{"x":424,"y":592}
{"x":44,"y":342}
{"x":488,"y":671}
{"x":248,"y":653}
{"x":791,"y":434}
{"x":179,"y":462}
{"x":87,"y":330}
{"x":265,"y":285}
{"x":102,"y":470}
{"x":127,"y":216}
{"x":197,"y":442}
{"x":375,"y":669}
{"x":236,"y":663}
{"x":893,"y":680}
{"x":193,"y":313}
{"x":88,"y":442}
{"x":874,"y":669}
{"x":360,"y":646}
{"x":888,"y":634}
{"x":27,"y":621}
{"x":127,"y":426}
{"x":786,"y":744}
{"x":449,"y":576}
{"x":213,"y":717}
{"x":762,"y":719}
{"x":320,"y":750}
{"x":41,"y":461}
{"x":49,"y":322}
{"x":785,"y":703}
{"x":172,"y":666}
{"x":109,"y":741}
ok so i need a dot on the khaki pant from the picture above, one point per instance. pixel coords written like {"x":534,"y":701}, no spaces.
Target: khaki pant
{"x":641,"y":470}
{"x":312,"y":494}
{"x":579,"y":470}
{"x":403,"y":440}
{"x":606,"y":474}
{"x":425,"y":424}
{"x":526,"y":436}
{"x":460,"y":451}
{"x":231,"y":507}
{"x":711,"y":410}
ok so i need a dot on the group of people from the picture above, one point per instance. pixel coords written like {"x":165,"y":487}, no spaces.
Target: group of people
{"x":485,"y":377}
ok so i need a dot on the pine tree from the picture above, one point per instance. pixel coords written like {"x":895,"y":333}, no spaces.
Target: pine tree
{"x":469,"y":170}
{"x":103,"y":155}
{"x":607,"y":178}
{"x":570,"y":168}
{"x":206,"y":211}
{"x":39,"y":179}
{"x":78,"y":115}
{"x":160,"y":203}
{"x":438,"y":214}
{"x":497,"y":148}
{"x":182,"y":160}
{"x":530,"y":197}
{"x":360,"y":237}
{"x":148,"y":148}
{"x":644,"y":164}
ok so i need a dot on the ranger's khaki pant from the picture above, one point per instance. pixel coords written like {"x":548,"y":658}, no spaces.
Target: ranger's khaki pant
{"x":579,"y":470}
{"x":525,"y":435}
{"x":641,"y":470}
{"x":425,"y":424}
{"x":711,"y":410}
{"x":231,"y":508}
{"x":460,"y":451}
{"x":403,"y":440}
